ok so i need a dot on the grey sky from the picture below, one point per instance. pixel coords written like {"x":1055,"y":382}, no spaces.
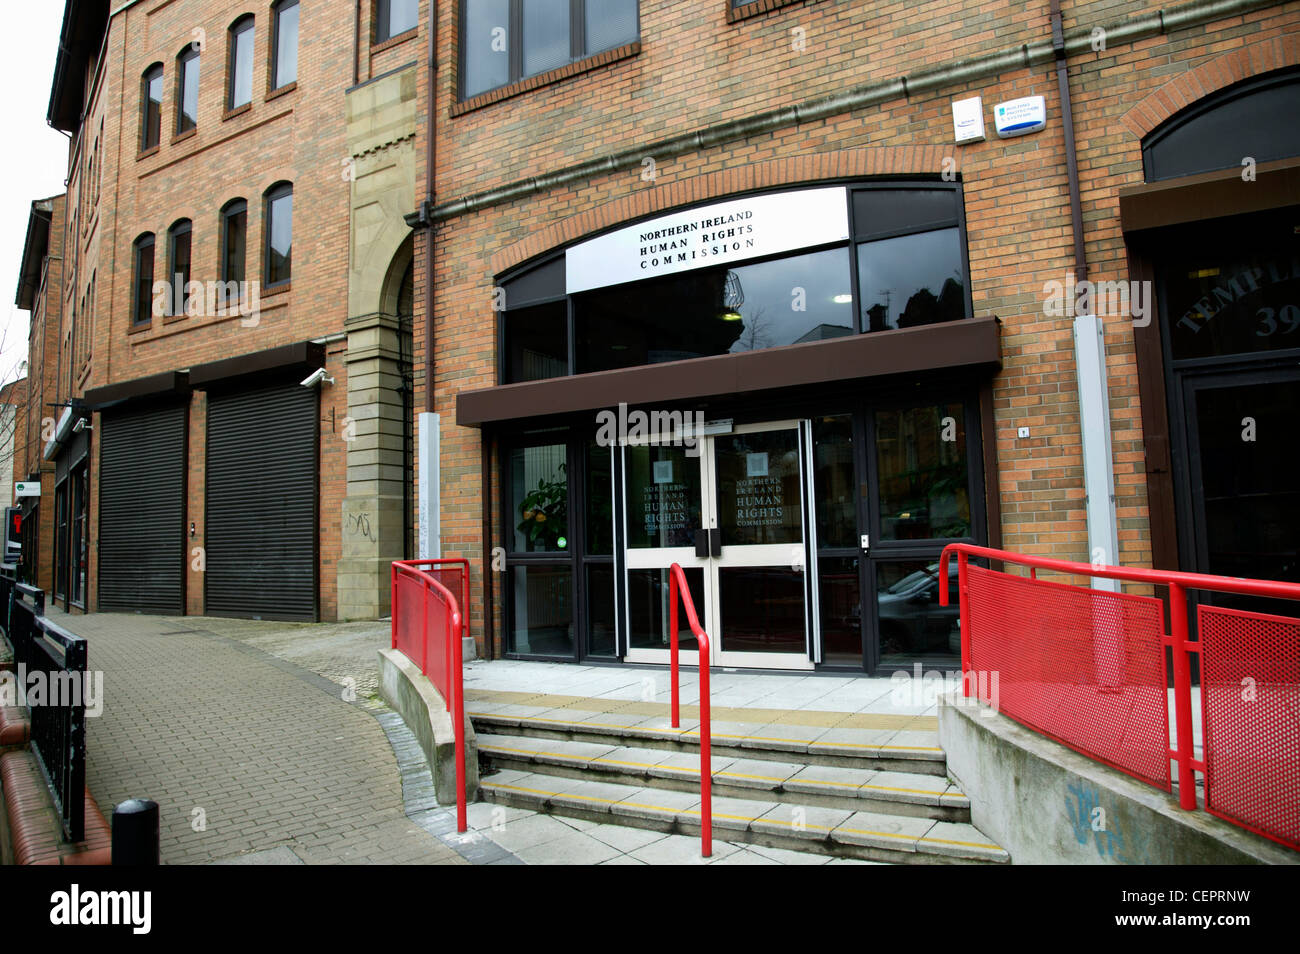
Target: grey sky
{"x":34,"y":162}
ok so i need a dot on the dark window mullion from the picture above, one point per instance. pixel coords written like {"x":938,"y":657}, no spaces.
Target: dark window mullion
{"x":515,"y":40}
{"x":577,"y":30}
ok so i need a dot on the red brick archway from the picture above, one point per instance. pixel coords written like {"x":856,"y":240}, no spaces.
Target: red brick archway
{"x":1212,"y":75}
{"x":846,"y":163}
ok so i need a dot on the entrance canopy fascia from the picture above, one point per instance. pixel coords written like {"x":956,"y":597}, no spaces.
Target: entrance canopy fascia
{"x":970,"y":343}
{"x":1210,"y":195}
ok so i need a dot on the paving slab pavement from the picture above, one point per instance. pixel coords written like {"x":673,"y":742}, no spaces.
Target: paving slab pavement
{"x":247,"y":752}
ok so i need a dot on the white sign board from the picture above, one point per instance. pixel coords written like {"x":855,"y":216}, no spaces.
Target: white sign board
{"x":731,"y":230}
{"x":27,"y":488}
{"x":1017,"y":117}
{"x":968,"y":119}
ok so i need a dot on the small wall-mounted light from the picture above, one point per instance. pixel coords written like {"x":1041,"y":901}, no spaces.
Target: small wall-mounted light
{"x":191,"y":528}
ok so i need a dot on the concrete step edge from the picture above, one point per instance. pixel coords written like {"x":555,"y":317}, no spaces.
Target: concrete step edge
{"x":639,"y":764}
{"x":754,"y":746}
{"x":624,"y":804}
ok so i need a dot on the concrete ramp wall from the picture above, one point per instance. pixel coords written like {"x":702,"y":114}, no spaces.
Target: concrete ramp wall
{"x":1047,"y":804}
{"x":410,"y":693}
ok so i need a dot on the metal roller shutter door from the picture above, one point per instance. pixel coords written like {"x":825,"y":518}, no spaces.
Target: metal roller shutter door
{"x":142,"y":511}
{"x":262,"y":524}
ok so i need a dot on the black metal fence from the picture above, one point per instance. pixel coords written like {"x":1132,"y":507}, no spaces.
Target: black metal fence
{"x":8,"y":579}
{"x":50,"y":668}
{"x":59,"y":721}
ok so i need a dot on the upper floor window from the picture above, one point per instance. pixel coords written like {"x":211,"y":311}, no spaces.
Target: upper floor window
{"x":240,"y":91}
{"x":234,"y":240}
{"x":551,"y":34}
{"x":178,"y":265}
{"x":395,"y":17}
{"x":187,"y":90}
{"x":142,"y":306}
{"x":151,"y":95}
{"x":284,"y":44}
{"x":279,"y":234}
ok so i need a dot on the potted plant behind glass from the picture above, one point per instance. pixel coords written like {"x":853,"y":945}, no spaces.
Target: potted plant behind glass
{"x":544,"y":515}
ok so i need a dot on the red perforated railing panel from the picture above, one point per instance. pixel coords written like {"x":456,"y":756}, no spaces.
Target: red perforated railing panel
{"x":1085,"y":667}
{"x":438,"y":667}
{"x":1250,"y":704}
{"x":408,"y":621}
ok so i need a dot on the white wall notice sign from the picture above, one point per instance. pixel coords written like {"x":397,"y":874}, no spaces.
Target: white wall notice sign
{"x":968,"y":119}
{"x":729,"y":230}
{"x":27,"y":488}
{"x":1017,"y":117}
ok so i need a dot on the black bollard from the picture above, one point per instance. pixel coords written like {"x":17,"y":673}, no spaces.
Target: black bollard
{"x":135,"y":833}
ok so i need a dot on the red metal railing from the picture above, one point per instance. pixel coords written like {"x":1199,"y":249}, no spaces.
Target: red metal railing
{"x":427,"y":628}
{"x":1087,"y":668}
{"x":677,"y":584}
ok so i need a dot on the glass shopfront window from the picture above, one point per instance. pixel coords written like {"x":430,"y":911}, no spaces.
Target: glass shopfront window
{"x":922,"y":473}
{"x":539,"y":492}
{"x":541,"y":609}
{"x":560,"y":563}
{"x":538,"y":343}
{"x":912,"y":280}
{"x":809,"y":533}
{"x":912,"y":623}
{"x":79,"y":542}
{"x":902,"y":260}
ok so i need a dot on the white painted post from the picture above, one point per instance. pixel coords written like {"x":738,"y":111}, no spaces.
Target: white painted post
{"x":1099,"y":484}
{"x":429,"y":540}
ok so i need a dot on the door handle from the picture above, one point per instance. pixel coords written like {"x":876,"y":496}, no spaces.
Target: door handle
{"x":708,"y":543}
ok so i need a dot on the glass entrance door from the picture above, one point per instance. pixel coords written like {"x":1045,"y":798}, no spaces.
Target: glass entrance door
{"x":731,"y":512}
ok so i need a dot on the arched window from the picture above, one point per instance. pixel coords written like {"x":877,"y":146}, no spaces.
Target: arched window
{"x":187,"y":89}
{"x":178,"y":265}
{"x":234,"y":240}
{"x":142,"y":306}
{"x":284,"y":44}
{"x":151,"y":95}
{"x":278,"y":218}
{"x":239,"y":83}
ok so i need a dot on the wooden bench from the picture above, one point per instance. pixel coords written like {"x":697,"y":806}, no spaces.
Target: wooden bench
{"x":34,"y":829}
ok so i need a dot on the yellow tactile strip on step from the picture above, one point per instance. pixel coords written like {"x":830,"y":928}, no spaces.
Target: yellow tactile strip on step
{"x":717,"y":736}
{"x":803,"y":826}
{"x":722,"y":774}
{"x":810,"y":717}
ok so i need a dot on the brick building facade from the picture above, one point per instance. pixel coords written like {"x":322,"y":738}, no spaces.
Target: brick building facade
{"x":212,"y":149}
{"x":512,"y":217}
{"x":700,"y":108}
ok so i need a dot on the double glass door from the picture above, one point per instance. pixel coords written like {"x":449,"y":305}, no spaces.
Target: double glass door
{"x":731,"y":510}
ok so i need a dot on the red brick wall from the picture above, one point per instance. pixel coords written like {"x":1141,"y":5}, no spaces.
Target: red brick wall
{"x":694,"y":69}
{"x":296,"y":136}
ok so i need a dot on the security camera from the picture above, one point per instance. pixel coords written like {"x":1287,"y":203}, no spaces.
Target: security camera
{"x":315,"y":378}
{"x":82,"y":425}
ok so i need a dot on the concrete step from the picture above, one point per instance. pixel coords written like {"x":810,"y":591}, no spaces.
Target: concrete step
{"x":875,"y":750}
{"x":836,"y":832}
{"x":857,"y":788}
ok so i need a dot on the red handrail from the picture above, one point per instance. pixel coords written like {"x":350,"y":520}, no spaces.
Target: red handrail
{"x":677,"y":584}
{"x":461,"y":562}
{"x":1178,"y":581}
{"x":453,"y":691}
